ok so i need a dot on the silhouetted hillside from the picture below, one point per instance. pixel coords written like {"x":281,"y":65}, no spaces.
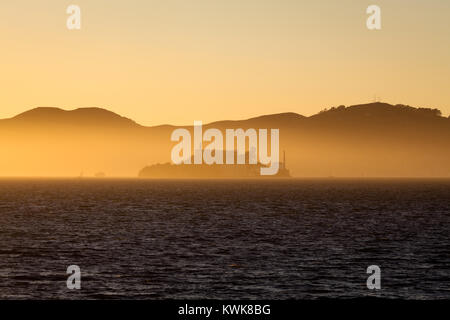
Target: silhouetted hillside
{"x":288,"y":119}
{"x":80,"y":117}
{"x":376,"y":139}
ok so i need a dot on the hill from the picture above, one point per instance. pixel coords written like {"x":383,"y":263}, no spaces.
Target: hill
{"x":377,"y":140}
{"x":45,"y":116}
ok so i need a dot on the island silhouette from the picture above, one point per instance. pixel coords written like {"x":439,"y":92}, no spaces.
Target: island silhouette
{"x":218,"y":171}
{"x":367,"y":140}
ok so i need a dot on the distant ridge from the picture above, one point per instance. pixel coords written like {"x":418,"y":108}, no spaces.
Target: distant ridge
{"x":271,"y":120}
{"x":378,"y":109}
{"x":366,"y":140}
{"x":80,"y":116}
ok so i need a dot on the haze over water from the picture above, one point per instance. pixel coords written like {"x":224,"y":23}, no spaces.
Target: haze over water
{"x":236,"y":239}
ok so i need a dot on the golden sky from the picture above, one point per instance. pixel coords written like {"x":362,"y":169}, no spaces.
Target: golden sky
{"x":176,"y":61}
